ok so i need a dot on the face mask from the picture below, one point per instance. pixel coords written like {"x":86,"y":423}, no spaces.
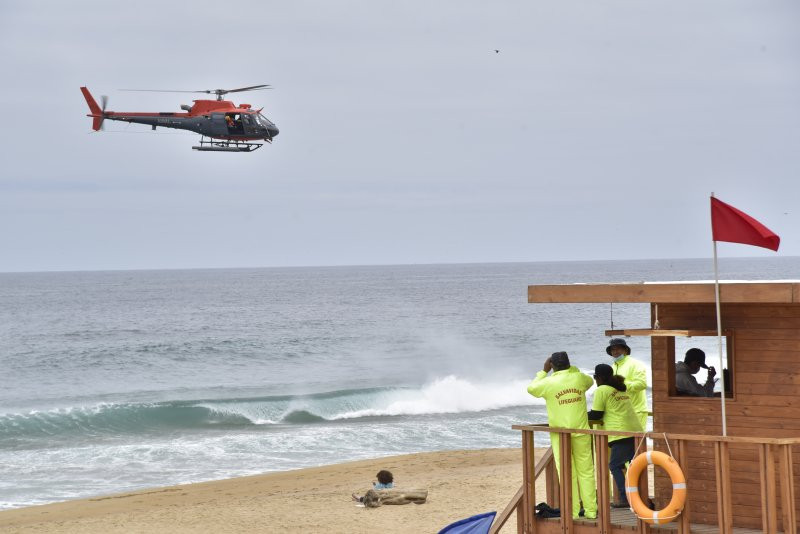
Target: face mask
{"x":616,"y":358}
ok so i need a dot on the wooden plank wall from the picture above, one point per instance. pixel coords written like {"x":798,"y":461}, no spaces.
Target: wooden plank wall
{"x":766,"y":403}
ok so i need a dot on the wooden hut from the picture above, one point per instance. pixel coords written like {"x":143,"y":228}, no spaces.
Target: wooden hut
{"x":744,"y":482}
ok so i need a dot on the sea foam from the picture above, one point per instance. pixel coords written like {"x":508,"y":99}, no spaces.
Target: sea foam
{"x":450,"y":394}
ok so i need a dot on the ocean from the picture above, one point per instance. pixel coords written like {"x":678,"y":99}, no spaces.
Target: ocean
{"x":116,"y":381}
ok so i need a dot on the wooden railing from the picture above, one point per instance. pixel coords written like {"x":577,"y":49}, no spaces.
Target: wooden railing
{"x":515,"y":505}
{"x":770,"y":450}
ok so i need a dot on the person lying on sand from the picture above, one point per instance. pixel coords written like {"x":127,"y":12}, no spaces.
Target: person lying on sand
{"x":385,"y":481}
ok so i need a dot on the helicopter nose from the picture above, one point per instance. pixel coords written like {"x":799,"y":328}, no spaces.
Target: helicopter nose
{"x":273,"y":131}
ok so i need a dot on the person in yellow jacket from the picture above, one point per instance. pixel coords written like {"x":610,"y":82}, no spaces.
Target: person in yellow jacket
{"x":565,"y":394}
{"x":612,"y":405}
{"x":635,"y":374}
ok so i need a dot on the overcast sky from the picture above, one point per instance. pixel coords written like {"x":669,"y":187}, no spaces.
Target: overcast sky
{"x":597,"y":132}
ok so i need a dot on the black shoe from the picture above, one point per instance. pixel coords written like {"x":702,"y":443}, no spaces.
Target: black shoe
{"x":547,"y":514}
{"x":544,"y":511}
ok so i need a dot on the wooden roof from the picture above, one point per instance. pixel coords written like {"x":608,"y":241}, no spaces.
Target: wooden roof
{"x":761,"y":292}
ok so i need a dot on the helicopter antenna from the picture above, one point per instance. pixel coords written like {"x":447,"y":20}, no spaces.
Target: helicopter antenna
{"x":218,"y":92}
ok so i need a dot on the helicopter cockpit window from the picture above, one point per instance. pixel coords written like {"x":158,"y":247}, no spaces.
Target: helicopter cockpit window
{"x":265,"y":122}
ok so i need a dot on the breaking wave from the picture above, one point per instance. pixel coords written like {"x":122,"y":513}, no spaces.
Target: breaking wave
{"x":442,"y":396}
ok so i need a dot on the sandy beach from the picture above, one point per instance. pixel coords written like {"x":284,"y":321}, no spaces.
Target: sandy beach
{"x":460,"y":484}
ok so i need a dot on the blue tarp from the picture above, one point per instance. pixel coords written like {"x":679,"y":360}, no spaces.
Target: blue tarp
{"x":477,"y":524}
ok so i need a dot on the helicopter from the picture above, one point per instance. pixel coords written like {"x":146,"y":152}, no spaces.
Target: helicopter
{"x":228,"y":127}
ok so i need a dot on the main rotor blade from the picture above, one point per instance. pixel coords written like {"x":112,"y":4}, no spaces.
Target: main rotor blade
{"x":207,"y":91}
{"x":252,"y":88}
{"x":163,"y":91}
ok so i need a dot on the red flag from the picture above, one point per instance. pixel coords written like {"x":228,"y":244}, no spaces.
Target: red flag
{"x":735,"y":226}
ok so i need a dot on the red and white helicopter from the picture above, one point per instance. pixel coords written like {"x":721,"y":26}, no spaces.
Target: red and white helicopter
{"x":228,"y":127}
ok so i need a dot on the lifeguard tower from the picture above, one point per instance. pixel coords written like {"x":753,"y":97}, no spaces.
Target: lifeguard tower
{"x":740,"y":483}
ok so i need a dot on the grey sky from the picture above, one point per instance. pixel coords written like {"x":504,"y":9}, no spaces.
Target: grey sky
{"x":597,"y":132}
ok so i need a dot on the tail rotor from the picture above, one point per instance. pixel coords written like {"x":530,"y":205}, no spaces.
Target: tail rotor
{"x":103,"y":104}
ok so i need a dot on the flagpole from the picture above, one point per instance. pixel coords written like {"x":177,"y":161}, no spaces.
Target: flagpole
{"x":734,"y":226}
{"x":722,"y":357}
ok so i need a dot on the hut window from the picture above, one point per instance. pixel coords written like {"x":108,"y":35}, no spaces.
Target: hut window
{"x":710,"y":346}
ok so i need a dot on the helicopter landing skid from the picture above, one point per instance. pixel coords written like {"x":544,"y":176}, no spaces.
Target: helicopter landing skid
{"x":217,"y":145}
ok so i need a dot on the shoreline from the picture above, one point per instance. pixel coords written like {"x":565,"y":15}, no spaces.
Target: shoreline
{"x":460,"y":483}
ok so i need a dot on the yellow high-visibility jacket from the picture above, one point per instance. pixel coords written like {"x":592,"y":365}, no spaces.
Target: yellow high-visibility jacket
{"x":565,"y":394}
{"x":635,"y":374}
{"x":618,"y":413}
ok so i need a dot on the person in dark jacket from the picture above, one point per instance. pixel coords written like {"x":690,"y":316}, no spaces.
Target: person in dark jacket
{"x":686,"y":383}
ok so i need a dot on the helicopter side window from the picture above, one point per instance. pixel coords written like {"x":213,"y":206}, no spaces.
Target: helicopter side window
{"x":234,"y":122}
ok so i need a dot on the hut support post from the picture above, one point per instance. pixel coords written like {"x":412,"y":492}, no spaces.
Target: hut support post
{"x":769,"y":519}
{"x":683,"y":461}
{"x":603,"y":493}
{"x":787,"y":489}
{"x":551,"y":483}
{"x":565,"y":463}
{"x":722,"y":464}
{"x":529,"y":485}
{"x":644,"y":485}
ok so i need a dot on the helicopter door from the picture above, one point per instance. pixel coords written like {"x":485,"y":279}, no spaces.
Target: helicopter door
{"x":249,"y":124}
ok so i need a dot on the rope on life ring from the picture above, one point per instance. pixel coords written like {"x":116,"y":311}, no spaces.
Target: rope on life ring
{"x":675,"y":506}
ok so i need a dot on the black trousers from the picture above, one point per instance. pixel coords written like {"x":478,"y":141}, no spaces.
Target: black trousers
{"x":622,"y":451}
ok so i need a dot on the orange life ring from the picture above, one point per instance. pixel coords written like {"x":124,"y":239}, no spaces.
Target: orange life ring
{"x":675,"y":506}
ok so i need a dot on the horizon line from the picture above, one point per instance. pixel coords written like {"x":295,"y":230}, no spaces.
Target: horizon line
{"x":336,"y":266}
